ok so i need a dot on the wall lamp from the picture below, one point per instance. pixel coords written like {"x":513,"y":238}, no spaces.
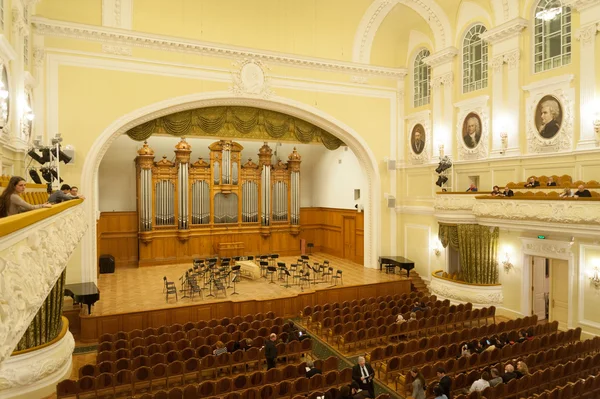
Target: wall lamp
{"x":595,"y":278}
{"x":437,"y":247}
{"x":506,"y":263}
{"x":597,"y":130}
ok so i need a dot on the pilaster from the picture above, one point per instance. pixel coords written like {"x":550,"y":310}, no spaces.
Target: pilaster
{"x":587,"y":87}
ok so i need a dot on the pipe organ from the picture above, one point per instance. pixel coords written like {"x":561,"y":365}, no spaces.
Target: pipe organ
{"x":189,"y":199}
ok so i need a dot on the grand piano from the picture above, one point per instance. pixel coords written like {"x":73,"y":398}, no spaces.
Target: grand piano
{"x":400,"y":261}
{"x":83,"y":293}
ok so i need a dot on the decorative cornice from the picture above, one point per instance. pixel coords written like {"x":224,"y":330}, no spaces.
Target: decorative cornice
{"x":31,"y":261}
{"x":48,"y":27}
{"x":581,"y":5}
{"x":117,"y":50}
{"x":587,"y":33}
{"x":505,"y":31}
{"x":441,"y":57}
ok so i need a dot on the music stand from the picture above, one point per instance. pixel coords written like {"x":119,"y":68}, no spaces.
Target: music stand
{"x":315,"y":271}
{"x":183,"y":284}
{"x":287,"y":278}
{"x":272,"y":270}
{"x":234,"y":280}
{"x":210,"y":283}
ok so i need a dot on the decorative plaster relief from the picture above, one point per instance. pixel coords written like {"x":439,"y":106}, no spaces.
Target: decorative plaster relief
{"x":47,"y":27}
{"x":250,"y":79}
{"x":586,"y":33}
{"x":38,"y":369}
{"x":481,"y":295}
{"x":449,"y":202}
{"x":422,"y":118}
{"x":117,"y":50}
{"x":563,"y":212}
{"x":560,"y":88}
{"x":31,"y":261}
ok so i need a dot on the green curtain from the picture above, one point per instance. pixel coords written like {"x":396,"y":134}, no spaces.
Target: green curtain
{"x":47,"y":323}
{"x":448,"y":235}
{"x":478,"y":247}
{"x":236,"y":122}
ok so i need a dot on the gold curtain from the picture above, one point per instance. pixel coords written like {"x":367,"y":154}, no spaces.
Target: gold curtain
{"x":478,"y":247}
{"x":47,"y":323}
{"x":448,"y":235}
{"x":236,"y":122}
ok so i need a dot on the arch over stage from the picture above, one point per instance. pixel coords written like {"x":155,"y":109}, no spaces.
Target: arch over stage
{"x":89,"y":177}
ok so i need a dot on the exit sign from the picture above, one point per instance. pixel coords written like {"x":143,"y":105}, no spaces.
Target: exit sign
{"x":542,"y":237}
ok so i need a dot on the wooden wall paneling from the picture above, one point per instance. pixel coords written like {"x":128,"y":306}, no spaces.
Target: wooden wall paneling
{"x":110,"y":324}
{"x":158,"y":318}
{"x":203,"y":313}
{"x":133,"y":322}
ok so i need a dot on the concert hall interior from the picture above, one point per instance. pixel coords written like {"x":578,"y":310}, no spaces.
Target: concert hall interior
{"x":410,"y":183}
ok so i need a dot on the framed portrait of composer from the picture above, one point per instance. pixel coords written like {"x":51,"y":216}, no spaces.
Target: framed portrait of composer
{"x":548,"y":117}
{"x":471,"y":131}
{"x":417,"y":139}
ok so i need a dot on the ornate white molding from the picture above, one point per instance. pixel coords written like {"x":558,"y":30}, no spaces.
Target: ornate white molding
{"x":497,"y":63}
{"x":480,"y":107}
{"x":359,"y":79}
{"x":31,"y":261}
{"x":587,"y":33}
{"x":39,"y":56}
{"x":581,"y":5}
{"x":18,"y":21}
{"x":560,"y":88}
{"x":422,"y":118}
{"x":561,"y":212}
{"x":36,"y":373}
{"x":505,"y":31}
{"x":476,"y":294}
{"x":48,"y":27}
{"x":445,"y":79}
{"x":117,"y":50}
{"x":457,"y":202}
{"x":379,"y":9}
{"x":250,"y":79}
{"x":441,"y":57}
{"x":512,"y":58}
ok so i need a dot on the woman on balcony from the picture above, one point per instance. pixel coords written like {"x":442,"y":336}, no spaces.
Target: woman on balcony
{"x":10,"y":201}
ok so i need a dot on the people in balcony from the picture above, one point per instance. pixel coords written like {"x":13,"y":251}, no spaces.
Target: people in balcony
{"x":508,"y":192}
{"x":566,"y":193}
{"x":11,"y":202}
{"x":472,"y":188}
{"x":582,"y":192}
{"x":532,"y":183}
{"x":496,"y":191}
{"x":551,"y":182}
{"x":64,"y":194}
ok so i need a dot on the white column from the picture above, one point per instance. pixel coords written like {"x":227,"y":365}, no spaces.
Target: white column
{"x":437,"y":120}
{"x":513,"y":103}
{"x":587,"y":86}
{"x":498,"y":123}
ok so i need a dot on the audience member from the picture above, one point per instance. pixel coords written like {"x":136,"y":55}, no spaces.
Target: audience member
{"x":220,"y":348}
{"x":566,"y":193}
{"x":472,"y":188}
{"x":582,"y":192}
{"x":508,"y":192}
{"x":10,"y":201}
{"x":509,"y":373}
{"x":481,"y":383}
{"x":243,"y":344}
{"x":550,"y":182}
{"x":400,"y":319}
{"x":418,"y":384}
{"x":74,"y":192}
{"x":445,"y":382}
{"x":496,"y":378}
{"x":439,"y":393}
{"x":358,"y":393}
{"x":532,"y":182}
{"x":363,"y":374}
{"x":311,"y":369}
{"x":413,"y":316}
{"x":271,"y":351}
{"x":496,"y":191}
{"x":64,"y":194}
{"x":522,"y":369}
{"x":419,"y":306}
{"x":465,"y":350}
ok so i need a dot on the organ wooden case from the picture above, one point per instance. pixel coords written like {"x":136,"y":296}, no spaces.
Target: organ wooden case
{"x":188,"y":210}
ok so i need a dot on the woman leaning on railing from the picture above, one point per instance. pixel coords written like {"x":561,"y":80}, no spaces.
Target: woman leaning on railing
{"x":10,"y":201}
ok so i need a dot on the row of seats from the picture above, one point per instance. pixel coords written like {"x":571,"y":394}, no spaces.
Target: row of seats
{"x":377,"y":355}
{"x":580,"y":389}
{"x":266,"y":320}
{"x":573,"y":374}
{"x":399,"y":365}
{"x":175,"y":340}
{"x":561,"y":181}
{"x":35,"y":197}
{"x":146,"y":381}
{"x":239,"y":357}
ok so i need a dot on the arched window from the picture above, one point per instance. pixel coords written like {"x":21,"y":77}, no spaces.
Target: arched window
{"x":552,"y":35}
{"x":422,"y":73}
{"x":475,"y":60}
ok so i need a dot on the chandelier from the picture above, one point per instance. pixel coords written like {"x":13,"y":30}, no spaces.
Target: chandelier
{"x":548,"y":14}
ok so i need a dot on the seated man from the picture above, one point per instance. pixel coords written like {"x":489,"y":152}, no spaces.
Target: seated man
{"x":64,"y":194}
{"x":532,"y":182}
{"x":508,"y":192}
{"x":74,"y":192}
{"x":509,"y":373}
{"x":472,"y":188}
{"x":550,"y":182}
{"x":481,"y":383}
{"x":582,"y":192}
{"x":311,"y":369}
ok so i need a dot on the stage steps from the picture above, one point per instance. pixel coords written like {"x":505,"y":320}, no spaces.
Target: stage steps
{"x":418,"y":282}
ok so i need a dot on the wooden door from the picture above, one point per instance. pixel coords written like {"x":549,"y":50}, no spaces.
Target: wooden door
{"x":559,"y":293}
{"x":349,"y":236}
{"x":538,"y":287}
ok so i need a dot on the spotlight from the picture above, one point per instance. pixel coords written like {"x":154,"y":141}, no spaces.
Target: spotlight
{"x":441,"y":180}
{"x":46,"y":174}
{"x":55,"y":175}
{"x":445,"y":163}
{"x":61,"y":156}
{"x":35,"y":156}
{"x":45,"y":155}
{"x":35,"y":176}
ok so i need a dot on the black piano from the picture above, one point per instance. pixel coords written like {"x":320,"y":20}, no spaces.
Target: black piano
{"x":83,"y":293}
{"x":399,"y":261}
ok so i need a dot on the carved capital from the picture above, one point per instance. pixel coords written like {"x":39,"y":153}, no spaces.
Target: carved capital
{"x":497,"y":63}
{"x":512,"y":58}
{"x":587,"y":34}
{"x":39,"y":55}
{"x":18,"y":22}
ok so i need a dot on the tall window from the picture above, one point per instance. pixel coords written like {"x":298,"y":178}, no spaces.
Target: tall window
{"x":422,"y":73}
{"x":475,"y":60}
{"x":552,"y":35}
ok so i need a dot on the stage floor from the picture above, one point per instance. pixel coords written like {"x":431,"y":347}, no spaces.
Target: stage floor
{"x":141,"y":289}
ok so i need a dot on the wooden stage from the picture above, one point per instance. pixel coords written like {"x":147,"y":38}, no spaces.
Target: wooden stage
{"x":132,"y":298}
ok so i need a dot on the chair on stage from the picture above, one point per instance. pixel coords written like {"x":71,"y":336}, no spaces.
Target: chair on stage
{"x":281,"y":267}
{"x":273,"y":258}
{"x":327,"y":273}
{"x":263,"y":268}
{"x":305,"y":279}
{"x":219,"y":286}
{"x":338,"y":276}
{"x":271,"y":270}
{"x":169,"y":288}
{"x":194,"y":287}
